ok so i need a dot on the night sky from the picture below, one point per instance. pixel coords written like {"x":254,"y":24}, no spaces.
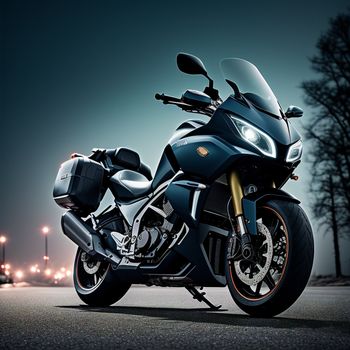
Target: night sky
{"x":82,"y":74}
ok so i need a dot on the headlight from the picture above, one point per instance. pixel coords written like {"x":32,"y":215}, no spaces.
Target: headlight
{"x":294,"y":152}
{"x":255,"y":137}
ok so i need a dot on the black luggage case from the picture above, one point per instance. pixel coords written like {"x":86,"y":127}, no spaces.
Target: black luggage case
{"x":79,"y":185}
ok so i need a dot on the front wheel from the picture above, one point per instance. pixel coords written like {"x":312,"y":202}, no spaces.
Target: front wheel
{"x":271,"y":282}
{"x":95,"y":282}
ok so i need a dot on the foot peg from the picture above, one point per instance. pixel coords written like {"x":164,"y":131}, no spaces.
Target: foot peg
{"x":200,"y":296}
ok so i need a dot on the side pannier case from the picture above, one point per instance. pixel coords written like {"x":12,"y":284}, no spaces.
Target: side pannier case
{"x":79,"y":185}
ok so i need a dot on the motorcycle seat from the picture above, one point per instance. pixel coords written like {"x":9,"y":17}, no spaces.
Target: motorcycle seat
{"x":130,"y":185}
{"x":125,"y":158}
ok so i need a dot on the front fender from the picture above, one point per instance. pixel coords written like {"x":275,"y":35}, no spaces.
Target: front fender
{"x":251,"y":201}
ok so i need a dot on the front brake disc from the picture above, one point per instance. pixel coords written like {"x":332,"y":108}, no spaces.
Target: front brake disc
{"x":255,"y":273}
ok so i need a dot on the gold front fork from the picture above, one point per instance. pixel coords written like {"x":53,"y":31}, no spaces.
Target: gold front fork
{"x":237,"y":196}
{"x":237,"y":193}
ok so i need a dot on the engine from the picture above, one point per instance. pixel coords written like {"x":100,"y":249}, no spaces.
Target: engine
{"x":159,"y":228}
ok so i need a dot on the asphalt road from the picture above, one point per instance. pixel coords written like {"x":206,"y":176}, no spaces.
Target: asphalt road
{"x":157,"y":318}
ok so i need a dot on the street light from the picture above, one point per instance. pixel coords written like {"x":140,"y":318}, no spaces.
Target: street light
{"x":3,"y":241}
{"x":45,"y":230}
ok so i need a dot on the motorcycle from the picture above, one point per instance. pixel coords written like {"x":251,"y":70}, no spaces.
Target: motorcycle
{"x":213,"y":214}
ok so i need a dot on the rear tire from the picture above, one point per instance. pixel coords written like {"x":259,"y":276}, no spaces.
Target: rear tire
{"x":289,"y":268}
{"x":95,"y":282}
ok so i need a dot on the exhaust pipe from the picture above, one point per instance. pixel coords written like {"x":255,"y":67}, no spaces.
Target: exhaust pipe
{"x":84,"y":236}
{"x":78,"y":231}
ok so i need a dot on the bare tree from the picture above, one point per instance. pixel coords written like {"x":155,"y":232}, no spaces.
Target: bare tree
{"x":329,"y":130}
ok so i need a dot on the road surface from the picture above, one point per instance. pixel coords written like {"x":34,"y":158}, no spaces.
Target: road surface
{"x":158,"y":318}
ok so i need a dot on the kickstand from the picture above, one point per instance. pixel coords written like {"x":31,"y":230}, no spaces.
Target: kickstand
{"x":200,"y":296}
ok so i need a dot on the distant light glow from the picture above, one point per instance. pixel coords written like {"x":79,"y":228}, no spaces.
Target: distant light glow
{"x":7,"y":273}
{"x":45,"y":230}
{"x":45,"y":257}
{"x":48,"y":272}
{"x":68,"y":273}
{"x":34,"y":269}
{"x":19,"y":274}
{"x":3,"y":239}
{"x":7,"y":266}
{"x":58,"y":276}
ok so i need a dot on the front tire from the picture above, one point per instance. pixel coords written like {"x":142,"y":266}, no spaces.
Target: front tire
{"x":267,"y":291}
{"x":95,"y":282}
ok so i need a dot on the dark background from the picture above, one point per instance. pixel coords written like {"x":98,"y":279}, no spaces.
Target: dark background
{"x":83,"y":74}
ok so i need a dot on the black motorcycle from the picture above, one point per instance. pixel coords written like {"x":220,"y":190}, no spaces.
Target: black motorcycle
{"x":214,"y":212}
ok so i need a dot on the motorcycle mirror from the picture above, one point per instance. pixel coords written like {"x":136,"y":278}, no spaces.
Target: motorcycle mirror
{"x":294,"y":112}
{"x":190,"y":64}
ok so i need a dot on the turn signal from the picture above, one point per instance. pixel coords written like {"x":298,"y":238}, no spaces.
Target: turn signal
{"x":202,"y":151}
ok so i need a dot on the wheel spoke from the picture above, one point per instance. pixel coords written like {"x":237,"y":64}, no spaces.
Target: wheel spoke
{"x":95,"y":278}
{"x":269,"y":281}
{"x":251,"y":270}
{"x":246,"y":267}
{"x":258,"y":287}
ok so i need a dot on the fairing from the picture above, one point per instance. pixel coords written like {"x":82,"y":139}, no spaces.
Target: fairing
{"x":251,"y":84}
{"x":279,"y":129}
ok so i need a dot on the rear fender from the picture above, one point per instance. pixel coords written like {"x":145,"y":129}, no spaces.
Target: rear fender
{"x":251,"y":201}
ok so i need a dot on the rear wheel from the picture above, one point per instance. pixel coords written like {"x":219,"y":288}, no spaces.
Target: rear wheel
{"x":95,"y":282}
{"x":270,"y":282}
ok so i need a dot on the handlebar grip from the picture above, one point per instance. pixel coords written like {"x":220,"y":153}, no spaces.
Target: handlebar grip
{"x":158,"y":96}
{"x":166,"y":99}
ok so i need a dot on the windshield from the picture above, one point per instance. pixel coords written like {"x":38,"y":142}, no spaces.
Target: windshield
{"x":251,"y":84}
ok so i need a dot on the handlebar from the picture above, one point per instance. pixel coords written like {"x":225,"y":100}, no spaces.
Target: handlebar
{"x":185,"y":106}
{"x":166,"y":98}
